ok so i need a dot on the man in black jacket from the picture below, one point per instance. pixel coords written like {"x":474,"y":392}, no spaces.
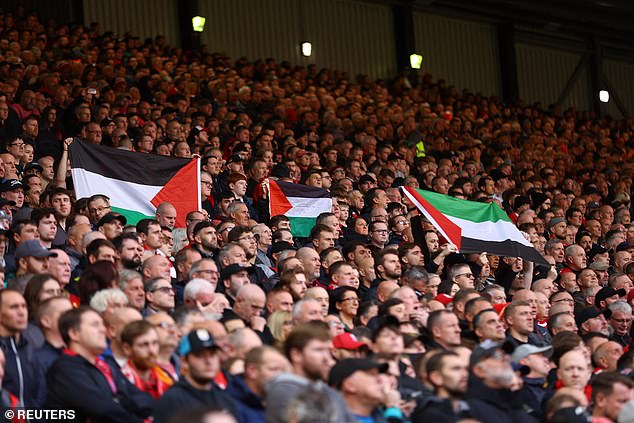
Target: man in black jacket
{"x":81,"y":380}
{"x":488,"y":395}
{"x":196,"y":389}
{"x":449,"y":374}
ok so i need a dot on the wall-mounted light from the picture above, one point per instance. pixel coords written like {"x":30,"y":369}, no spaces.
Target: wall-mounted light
{"x":604,"y":96}
{"x":307,"y":48}
{"x":198,"y":23}
{"x":415,"y":61}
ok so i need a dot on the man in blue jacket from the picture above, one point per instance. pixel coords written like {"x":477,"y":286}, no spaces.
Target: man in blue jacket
{"x":20,"y":373}
{"x":261,"y":364}
{"x":81,"y":380}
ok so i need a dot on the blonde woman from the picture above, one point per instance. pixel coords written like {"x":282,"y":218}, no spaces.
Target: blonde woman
{"x":280,"y":323}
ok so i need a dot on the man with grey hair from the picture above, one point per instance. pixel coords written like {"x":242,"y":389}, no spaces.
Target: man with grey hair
{"x":106,"y":300}
{"x":462,"y":275}
{"x":131,"y":283}
{"x":306,"y":310}
{"x":620,"y":322}
{"x":198,"y":293}
{"x":562,"y":321}
{"x":232,"y":253}
{"x":495,"y":293}
{"x":205,"y":269}
{"x":416,"y":277}
{"x":620,"y":280}
{"x":264,"y":239}
{"x":555,"y":248}
{"x":159,"y":296}
{"x":243,"y":340}
{"x":239,"y":213}
{"x":575,"y":258}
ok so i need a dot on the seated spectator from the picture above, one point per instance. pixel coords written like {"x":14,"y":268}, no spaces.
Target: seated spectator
{"x":81,"y":380}
{"x":196,"y":389}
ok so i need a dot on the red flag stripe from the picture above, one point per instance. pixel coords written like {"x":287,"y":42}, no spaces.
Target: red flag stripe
{"x":182,"y":191}
{"x":449,"y":230}
{"x":278,"y":203}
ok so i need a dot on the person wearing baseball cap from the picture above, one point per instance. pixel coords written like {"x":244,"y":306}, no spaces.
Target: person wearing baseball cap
{"x":111,"y":225}
{"x":32,"y":257}
{"x":13,"y":190}
{"x":199,"y":358}
{"x":608,"y":295}
{"x":358,"y":380}
{"x":233,"y":277}
{"x":591,"y":319}
{"x":534,"y":365}
{"x":489,"y":396}
{"x":557,"y":228}
{"x":346,"y":345}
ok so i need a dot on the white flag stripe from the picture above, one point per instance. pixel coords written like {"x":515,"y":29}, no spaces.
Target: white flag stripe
{"x":125,"y":195}
{"x":490,"y":231}
{"x":308,"y":207}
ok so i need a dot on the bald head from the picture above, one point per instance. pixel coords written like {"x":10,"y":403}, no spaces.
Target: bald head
{"x":115,"y":322}
{"x":156,"y":266}
{"x":157,"y":318}
{"x":385,"y":289}
{"x":250,"y":291}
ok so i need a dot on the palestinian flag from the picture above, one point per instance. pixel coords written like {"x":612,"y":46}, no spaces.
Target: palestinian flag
{"x":135,"y":182}
{"x":474,"y":227}
{"x":300,"y":203}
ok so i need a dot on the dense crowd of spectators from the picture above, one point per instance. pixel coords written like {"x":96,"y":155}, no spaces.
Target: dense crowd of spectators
{"x":372,"y":318}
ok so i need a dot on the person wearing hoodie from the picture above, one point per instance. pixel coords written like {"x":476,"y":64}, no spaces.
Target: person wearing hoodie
{"x":261,"y":364}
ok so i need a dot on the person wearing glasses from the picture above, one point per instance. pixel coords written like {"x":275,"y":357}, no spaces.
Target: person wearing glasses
{"x":398,"y":226}
{"x":378,"y":235}
{"x":159,"y":296}
{"x":462,"y":275}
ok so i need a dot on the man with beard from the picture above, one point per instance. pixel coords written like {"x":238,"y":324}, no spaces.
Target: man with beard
{"x":183,"y":262}
{"x":448,"y":373}
{"x":199,"y":353}
{"x":387,"y":267}
{"x":130,"y":251}
{"x":489,"y":396}
{"x":205,"y":239}
{"x":140,"y":343}
{"x":308,"y":349}
{"x":243,"y":236}
{"x":536,"y":360}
